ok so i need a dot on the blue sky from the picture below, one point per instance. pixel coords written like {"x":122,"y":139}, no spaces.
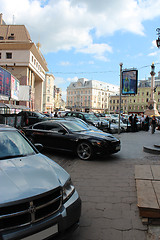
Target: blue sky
{"x":90,"y":38}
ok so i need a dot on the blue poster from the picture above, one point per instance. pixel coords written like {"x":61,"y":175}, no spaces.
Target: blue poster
{"x":129,"y":82}
{"x":5,"y":82}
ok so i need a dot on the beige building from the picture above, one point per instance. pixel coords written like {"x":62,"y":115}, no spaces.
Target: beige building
{"x":48,"y":93}
{"x":135,"y":103}
{"x":58,"y":101}
{"x":89,"y":95}
{"x":22,"y":58}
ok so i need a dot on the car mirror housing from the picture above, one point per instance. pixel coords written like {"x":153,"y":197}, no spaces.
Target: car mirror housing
{"x":39,"y":146}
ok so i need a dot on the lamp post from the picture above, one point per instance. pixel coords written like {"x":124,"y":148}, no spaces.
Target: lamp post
{"x":152,"y":80}
{"x":120,"y":92}
{"x":152,"y":109}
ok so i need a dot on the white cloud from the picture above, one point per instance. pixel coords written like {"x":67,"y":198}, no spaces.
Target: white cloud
{"x":69,"y":24}
{"x":74,"y":79}
{"x":153,"y":54}
{"x":65,"y":63}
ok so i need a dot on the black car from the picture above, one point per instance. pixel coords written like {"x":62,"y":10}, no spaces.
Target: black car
{"x":37,"y":197}
{"x":91,"y":119}
{"x":72,"y":136}
{"x":31,"y":117}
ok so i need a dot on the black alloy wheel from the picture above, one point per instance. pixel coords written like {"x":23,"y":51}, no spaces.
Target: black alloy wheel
{"x":84,"y":151}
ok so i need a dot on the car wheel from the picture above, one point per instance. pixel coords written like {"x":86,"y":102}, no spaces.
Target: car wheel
{"x":84,"y":151}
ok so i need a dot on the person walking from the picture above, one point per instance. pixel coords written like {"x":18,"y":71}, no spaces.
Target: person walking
{"x":146,"y":123}
{"x":135,"y":119}
{"x":142,"y":122}
{"x":153,"y":124}
{"x":131,"y":121}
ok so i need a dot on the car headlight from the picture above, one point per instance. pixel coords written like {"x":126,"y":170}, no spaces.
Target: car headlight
{"x":68,"y":190}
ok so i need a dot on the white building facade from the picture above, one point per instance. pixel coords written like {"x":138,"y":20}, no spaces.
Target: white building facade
{"x":89,"y":95}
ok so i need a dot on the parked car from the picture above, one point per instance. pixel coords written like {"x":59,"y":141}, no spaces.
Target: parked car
{"x":72,"y":136}
{"x":80,"y":121}
{"x":123,"y":126}
{"x":89,"y":118}
{"x":37,"y":197}
{"x":31,"y":117}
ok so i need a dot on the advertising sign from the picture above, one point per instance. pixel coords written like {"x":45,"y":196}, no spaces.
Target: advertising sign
{"x":129,"y":82}
{"x":14,"y":88}
{"x":5,"y":82}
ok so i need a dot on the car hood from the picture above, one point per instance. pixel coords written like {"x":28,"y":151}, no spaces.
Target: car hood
{"x":29,"y":176}
{"x":98,"y":134}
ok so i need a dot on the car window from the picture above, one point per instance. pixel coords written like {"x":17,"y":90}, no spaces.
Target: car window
{"x":55,"y":127}
{"x":74,"y":114}
{"x":13,"y":144}
{"x":74,"y":126}
{"x":80,"y":116}
{"x":41,"y":126}
{"x":69,"y":114}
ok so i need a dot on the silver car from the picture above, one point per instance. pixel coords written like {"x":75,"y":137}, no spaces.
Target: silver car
{"x":37,"y":197}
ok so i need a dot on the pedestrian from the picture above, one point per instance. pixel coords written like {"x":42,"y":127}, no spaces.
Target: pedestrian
{"x":153,"y":124}
{"x":142,"y":122}
{"x":135,"y":120}
{"x":146,"y":123}
{"x":55,"y":115}
{"x":52,"y":114}
{"x":131,"y":121}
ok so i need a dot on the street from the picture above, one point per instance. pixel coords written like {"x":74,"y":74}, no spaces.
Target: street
{"x":106,"y":186}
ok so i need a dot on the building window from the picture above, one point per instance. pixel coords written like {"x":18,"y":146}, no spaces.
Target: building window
{"x":0,"y":55}
{"x":48,"y":99}
{"x":9,"y":55}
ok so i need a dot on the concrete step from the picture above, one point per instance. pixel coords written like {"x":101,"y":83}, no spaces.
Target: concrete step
{"x":153,"y":150}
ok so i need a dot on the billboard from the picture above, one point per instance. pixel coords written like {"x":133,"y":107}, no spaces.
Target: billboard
{"x":129,"y":82}
{"x":5,"y":82}
{"x":14,"y":88}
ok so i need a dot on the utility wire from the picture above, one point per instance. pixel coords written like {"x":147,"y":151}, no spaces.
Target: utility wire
{"x":101,"y":71}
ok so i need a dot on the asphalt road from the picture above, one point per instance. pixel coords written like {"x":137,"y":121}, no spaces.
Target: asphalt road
{"x":107,"y":188}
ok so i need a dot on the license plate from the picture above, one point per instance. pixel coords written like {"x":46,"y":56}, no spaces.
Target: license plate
{"x":43,"y":234}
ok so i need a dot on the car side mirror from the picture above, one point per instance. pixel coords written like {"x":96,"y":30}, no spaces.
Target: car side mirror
{"x":63,"y":131}
{"x":39,"y":146}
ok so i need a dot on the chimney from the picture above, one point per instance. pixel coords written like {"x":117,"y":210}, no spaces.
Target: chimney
{"x":1,"y":20}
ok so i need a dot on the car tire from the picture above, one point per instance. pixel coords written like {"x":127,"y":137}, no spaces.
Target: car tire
{"x":84,"y":151}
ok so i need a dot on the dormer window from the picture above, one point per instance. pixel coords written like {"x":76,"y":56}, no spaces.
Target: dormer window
{"x":11,"y":37}
{"x":1,"y":37}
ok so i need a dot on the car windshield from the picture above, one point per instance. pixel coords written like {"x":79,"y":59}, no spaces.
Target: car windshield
{"x":90,"y":117}
{"x":12,"y":144}
{"x":40,"y":115}
{"x":75,"y":126}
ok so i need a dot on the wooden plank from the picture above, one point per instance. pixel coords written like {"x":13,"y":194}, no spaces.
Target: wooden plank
{"x":155,"y":171}
{"x":156,"y":186}
{"x":146,"y":195}
{"x":143,"y":172}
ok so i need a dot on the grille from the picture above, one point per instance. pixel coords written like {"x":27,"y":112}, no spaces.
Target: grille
{"x":30,"y":210}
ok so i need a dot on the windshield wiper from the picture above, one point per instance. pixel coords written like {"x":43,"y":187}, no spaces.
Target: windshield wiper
{"x":13,"y":156}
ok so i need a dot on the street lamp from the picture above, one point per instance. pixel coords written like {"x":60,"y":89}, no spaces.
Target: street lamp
{"x":152,"y":80}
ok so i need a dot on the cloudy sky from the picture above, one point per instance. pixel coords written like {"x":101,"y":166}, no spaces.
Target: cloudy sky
{"x":90,"y":38}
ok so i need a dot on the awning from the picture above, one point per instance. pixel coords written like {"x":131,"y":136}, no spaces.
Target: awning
{"x":12,"y":106}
